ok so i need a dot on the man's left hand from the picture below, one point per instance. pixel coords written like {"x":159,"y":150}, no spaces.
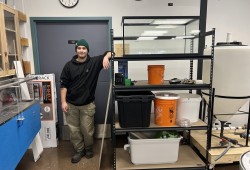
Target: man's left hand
{"x":105,"y":61}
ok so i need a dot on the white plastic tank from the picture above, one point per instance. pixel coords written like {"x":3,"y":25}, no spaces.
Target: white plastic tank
{"x":231,"y":77}
{"x":245,"y":161}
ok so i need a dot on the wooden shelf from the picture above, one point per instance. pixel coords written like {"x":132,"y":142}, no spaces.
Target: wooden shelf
{"x":187,"y":159}
{"x":10,"y":30}
{"x":143,"y":84}
{"x":199,"y":139}
{"x":21,"y":16}
{"x":145,"y":57}
{"x":24,"y":42}
{"x":152,"y":127}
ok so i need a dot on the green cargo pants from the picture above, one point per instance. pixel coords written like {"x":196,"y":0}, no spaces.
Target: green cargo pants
{"x":80,"y":120}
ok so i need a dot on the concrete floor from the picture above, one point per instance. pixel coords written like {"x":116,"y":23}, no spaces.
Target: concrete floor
{"x":60,"y":159}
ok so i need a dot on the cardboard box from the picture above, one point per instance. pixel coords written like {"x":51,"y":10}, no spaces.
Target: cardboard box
{"x":22,"y":16}
{"x":48,"y":134}
{"x":44,"y":89}
{"x":119,"y":49}
{"x":24,"y":42}
{"x":26,"y":67}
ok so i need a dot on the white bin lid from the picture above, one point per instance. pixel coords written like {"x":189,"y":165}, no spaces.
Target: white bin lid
{"x":190,"y":96}
{"x":167,"y":96}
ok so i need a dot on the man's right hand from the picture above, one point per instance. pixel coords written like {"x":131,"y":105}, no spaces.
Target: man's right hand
{"x":64,"y":107}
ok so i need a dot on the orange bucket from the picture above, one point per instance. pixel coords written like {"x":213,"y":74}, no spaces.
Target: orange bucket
{"x":156,"y":74}
{"x":165,"y":105}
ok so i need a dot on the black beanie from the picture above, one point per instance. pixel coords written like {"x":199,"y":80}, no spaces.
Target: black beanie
{"x":82,"y":42}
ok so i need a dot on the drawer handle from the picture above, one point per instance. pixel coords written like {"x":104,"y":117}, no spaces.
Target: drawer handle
{"x":20,"y":120}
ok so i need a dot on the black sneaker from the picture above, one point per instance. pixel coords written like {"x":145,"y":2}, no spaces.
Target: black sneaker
{"x":89,"y":153}
{"x":77,"y":156}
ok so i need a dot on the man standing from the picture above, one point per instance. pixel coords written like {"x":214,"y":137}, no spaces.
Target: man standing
{"x":78,"y":84}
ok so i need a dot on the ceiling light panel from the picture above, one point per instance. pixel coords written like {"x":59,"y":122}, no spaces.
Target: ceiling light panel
{"x":146,"y":38}
{"x":194,"y":32}
{"x":184,"y":37}
{"x":153,"y":33}
{"x":170,"y":21}
{"x":165,"y":27}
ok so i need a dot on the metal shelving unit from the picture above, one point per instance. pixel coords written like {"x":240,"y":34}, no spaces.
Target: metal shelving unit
{"x":120,"y":158}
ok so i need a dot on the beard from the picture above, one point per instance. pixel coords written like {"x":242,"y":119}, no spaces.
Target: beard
{"x":82,"y":55}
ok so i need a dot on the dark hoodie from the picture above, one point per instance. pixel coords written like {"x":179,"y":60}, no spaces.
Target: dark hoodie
{"x":80,"y":79}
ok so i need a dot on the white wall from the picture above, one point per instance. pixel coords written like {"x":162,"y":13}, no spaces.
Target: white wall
{"x":99,"y":8}
{"x":229,"y":16}
{"x":114,"y":8}
{"x":224,"y":15}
